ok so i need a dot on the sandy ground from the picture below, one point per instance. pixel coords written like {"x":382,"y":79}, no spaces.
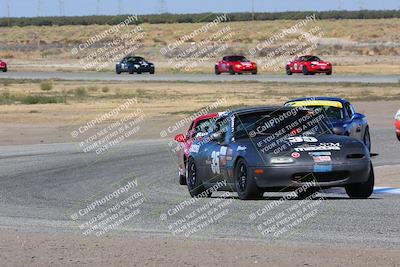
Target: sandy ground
{"x":22,"y":249}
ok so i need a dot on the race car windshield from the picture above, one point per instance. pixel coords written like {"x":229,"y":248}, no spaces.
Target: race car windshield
{"x":280,"y":123}
{"x":313,"y":58}
{"x":238,"y":58}
{"x":329,"y":112}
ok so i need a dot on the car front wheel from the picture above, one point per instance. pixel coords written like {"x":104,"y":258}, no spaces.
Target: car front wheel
{"x":231,"y":71}
{"x":362,"y":190}
{"x":305,"y":71}
{"x":246,"y":186}
{"x":398,"y":137}
{"x":216,"y":70}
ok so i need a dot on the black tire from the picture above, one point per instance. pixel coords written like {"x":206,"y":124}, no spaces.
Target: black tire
{"x":231,"y":71}
{"x":362,"y":190}
{"x":254,"y":72}
{"x":305,"y":70}
{"x":367,"y":139}
{"x":245,"y":184}
{"x":329,"y":73}
{"x":194,"y":183}
{"x":216,"y":70}
{"x":182,"y":179}
{"x":152,"y":71}
{"x":4,"y":70}
{"x":308,"y":192}
{"x":398,"y":136}
{"x":118,"y":71}
{"x":288,"y":71}
{"x":138,"y":72}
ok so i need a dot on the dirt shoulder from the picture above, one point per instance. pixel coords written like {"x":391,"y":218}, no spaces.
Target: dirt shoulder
{"x":22,"y":249}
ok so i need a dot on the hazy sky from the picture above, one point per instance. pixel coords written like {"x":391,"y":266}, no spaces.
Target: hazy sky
{"x":31,"y":8}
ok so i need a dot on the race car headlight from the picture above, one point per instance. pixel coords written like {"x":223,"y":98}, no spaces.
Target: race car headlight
{"x":238,"y":66}
{"x":397,"y":117}
{"x":281,"y":160}
{"x":136,"y":66}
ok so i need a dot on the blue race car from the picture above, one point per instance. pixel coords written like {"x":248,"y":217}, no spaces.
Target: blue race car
{"x":256,"y":150}
{"x":132,"y":64}
{"x":340,"y":114}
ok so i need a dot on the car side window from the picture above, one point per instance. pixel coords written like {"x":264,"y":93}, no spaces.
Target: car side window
{"x":224,"y":58}
{"x":221,"y":127}
{"x":189,"y":132}
{"x":201,"y":128}
{"x":349,"y":110}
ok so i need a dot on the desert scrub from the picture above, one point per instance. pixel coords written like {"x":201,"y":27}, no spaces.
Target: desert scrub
{"x":46,"y":86}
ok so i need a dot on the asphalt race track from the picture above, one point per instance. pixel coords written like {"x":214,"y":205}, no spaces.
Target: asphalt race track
{"x":104,"y":76}
{"x":42,"y":185}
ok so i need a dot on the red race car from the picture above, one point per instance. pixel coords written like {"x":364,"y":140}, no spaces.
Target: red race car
{"x":235,"y":64}
{"x":397,"y":124}
{"x":3,"y":66}
{"x":308,"y":65}
{"x":198,"y":128}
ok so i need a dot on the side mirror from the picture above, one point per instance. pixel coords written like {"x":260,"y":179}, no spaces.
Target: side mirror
{"x":357,"y":116}
{"x":180,"y":138}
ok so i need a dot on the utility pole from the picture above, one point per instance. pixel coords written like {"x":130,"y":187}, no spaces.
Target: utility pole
{"x":8,"y":14}
{"x":98,"y":8}
{"x":61,"y":8}
{"x":252,"y":10}
{"x":119,"y":7}
{"x":39,"y":7}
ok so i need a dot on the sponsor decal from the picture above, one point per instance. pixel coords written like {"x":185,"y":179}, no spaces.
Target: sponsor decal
{"x":322,"y":168}
{"x":241,"y":148}
{"x":321,"y":153}
{"x":295,"y":155}
{"x":319,"y":159}
{"x":215,"y":162}
{"x":194,"y":148}
{"x":320,"y":147}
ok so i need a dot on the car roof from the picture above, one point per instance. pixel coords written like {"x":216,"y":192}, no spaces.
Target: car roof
{"x":241,"y":111}
{"x":338,"y":99}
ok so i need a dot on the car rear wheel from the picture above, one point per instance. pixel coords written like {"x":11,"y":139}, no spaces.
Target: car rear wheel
{"x":329,"y":73}
{"x":398,"y":137}
{"x":118,"y":71}
{"x":231,"y":71}
{"x":367,"y":139}
{"x":152,"y":71}
{"x":194,"y":183}
{"x":305,"y":71}
{"x":216,"y":70}
{"x":254,"y":72}
{"x":362,"y":190}
{"x":245,"y":184}
{"x":182,"y":179}
{"x":4,"y":70}
{"x":288,"y":71}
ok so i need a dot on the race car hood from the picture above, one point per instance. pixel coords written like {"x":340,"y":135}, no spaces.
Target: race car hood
{"x":303,"y":150}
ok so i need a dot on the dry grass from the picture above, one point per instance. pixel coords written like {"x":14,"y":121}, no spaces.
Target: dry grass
{"x":85,"y":100}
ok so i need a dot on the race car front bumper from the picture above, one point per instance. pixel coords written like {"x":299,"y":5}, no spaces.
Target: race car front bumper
{"x":323,"y":175}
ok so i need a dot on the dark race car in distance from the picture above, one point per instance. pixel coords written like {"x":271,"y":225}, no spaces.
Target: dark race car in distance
{"x":256,"y":150}
{"x":308,"y":65}
{"x":132,"y":64}
{"x":3,"y":66}
{"x":340,"y":115}
{"x":235,"y":64}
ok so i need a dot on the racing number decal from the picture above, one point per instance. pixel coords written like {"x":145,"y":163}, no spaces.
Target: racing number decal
{"x":299,"y":139}
{"x":215,"y":162}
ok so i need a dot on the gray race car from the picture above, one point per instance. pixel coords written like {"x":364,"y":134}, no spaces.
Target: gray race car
{"x":254,"y":150}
